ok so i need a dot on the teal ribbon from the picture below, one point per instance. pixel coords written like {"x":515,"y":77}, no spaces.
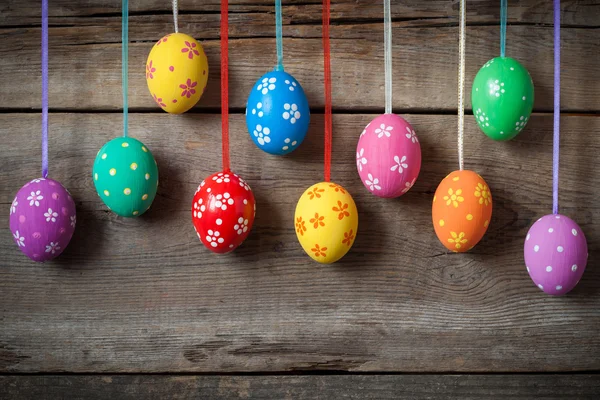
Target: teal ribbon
{"x":125,"y":61}
{"x":503,"y":18}
{"x":279,"y":35}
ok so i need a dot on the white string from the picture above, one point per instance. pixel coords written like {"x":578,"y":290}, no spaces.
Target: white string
{"x":461,"y":84}
{"x":175,"y":16}
{"x":387,"y":44}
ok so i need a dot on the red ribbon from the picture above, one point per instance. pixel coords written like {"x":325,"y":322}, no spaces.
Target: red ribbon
{"x":327,"y":73}
{"x":225,"y":84}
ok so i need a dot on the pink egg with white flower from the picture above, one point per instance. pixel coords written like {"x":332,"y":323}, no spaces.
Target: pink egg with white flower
{"x":556,"y":254}
{"x":388,"y":156}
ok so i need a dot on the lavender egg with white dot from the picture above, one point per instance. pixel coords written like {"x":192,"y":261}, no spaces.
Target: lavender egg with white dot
{"x":277,"y":113}
{"x":556,"y":254}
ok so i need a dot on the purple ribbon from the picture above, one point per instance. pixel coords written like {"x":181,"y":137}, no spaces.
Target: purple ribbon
{"x":45,"y":88}
{"x":556,"y":143}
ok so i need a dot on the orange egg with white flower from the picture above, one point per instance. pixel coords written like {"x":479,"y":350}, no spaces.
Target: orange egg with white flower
{"x":461,"y":210}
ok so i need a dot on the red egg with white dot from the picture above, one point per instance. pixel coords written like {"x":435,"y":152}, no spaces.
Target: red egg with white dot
{"x":223,"y":211}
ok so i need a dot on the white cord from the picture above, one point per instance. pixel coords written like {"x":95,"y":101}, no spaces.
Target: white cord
{"x":387,"y":44}
{"x":175,"y":16}
{"x":461,"y":84}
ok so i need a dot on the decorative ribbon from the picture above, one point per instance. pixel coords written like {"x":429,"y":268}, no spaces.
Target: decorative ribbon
{"x":327,"y":74}
{"x":125,"y":61}
{"x":503,"y":18}
{"x":175,"y":16}
{"x":556,"y":141}
{"x":279,"y":35}
{"x":461,"y":84}
{"x":45,"y":88}
{"x":225,"y":84}
{"x":387,"y":44}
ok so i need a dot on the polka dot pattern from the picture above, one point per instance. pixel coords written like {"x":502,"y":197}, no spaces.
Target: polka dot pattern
{"x":555,"y":254}
{"x":126,"y":176}
{"x":223,"y":211}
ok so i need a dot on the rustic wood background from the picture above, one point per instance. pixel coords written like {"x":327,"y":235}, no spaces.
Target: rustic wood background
{"x":143,"y":296}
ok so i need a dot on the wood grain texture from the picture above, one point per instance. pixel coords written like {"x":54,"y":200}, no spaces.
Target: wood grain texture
{"x":359,"y":387}
{"x":144,"y":295}
{"x":85,"y":54}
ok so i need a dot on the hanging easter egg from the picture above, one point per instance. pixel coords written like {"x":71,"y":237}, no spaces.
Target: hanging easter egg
{"x":502,"y":98}
{"x":223,"y":211}
{"x":388,"y":156}
{"x":556,"y":254}
{"x":176,"y":72}
{"x":126,"y":176}
{"x":277,"y":113}
{"x":42,"y":219}
{"x":326,"y":221}
{"x":461,"y":211}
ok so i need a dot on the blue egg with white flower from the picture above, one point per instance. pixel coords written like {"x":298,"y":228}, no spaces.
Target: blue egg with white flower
{"x":277,"y":113}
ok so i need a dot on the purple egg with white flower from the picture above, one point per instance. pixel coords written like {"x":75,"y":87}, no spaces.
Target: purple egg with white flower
{"x":556,"y":254}
{"x":42,"y":219}
{"x":277,"y":113}
{"x":388,"y":156}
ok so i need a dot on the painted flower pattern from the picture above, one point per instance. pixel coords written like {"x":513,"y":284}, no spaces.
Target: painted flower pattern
{"x":300,"y":226}
{"x":241,"y":226}
{"x":315,"y":193}
{"x":454,"y":197}
{"x":51,"y":215}
{"x":188,"y":88}
{"x":483,"y":192}
{"x":373,"y":183}
{"x":266,"y":84}
{"x":190,"y":48}
{"x":317,"y":221}
{"x":52,"y":248}
{"x":164,"y":39}
{"x":457,"y":239}
{"x":337,"y":188}
{"x":214,"y":238}
{"x":35,"y":198}
{"x":341,"y":209}
{"x":159,"y":101}
{"x":400,"y":164}
{"x":262,"y":133}
{"x":319,"y":251}
{"x":348,"y":238}
{"x":13,"y":206}
{"x":20,"y":239}
{"x":150,"y":70}
{"x":411,"y":135}
{"x":73,"y":220}
{"x":409,"y":185}
{"x":384,"y":131}
{"x":360,"y":159}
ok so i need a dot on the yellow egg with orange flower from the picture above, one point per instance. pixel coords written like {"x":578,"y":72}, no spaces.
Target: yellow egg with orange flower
{"x":461,"y":210}
{"x":326,"y":222}
{"x":177,"y":72}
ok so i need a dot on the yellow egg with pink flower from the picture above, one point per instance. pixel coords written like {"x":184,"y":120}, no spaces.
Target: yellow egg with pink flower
{"x":177,"y":72}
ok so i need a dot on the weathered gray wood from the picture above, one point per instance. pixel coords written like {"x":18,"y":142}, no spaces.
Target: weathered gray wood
{"x":85,"y":61}
{"x":575,"y":12}
{"x":144,"y":295}
{"x":410,"y":387}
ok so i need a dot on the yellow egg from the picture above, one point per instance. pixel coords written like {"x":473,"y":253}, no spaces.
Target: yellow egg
{"x":176,"y":72}
{"x":326,"y":222}
{"x":461,"y":210}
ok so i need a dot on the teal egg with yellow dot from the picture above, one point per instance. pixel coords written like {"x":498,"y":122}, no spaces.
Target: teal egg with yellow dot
{"x":502,"y":98}
{"x":126,"y":176}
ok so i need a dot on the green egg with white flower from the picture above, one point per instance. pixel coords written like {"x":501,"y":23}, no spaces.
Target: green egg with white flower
{"x":125,"y":176}
{"x":502,"y":98}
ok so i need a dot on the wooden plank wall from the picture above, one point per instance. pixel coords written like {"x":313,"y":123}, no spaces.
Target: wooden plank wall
{"x":144,"y":296}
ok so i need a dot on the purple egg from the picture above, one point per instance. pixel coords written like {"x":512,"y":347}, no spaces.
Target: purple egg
{"x":555,"y":254}
{"x":42,"y":219}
